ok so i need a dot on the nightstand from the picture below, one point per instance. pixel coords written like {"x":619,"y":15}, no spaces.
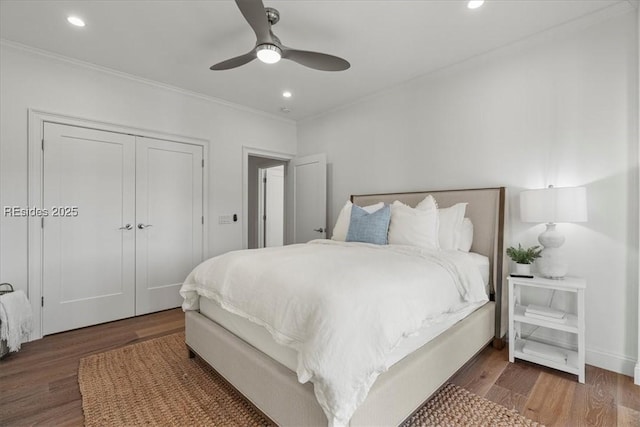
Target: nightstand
{"x":541,"y":353}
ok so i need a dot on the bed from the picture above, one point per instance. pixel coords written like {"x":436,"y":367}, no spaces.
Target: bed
{"x":256,"y":367}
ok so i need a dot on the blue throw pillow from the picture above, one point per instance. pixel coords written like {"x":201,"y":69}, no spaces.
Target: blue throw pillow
{"x":369,"y":227}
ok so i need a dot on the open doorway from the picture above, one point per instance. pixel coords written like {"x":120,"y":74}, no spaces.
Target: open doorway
{"x":266,"y":202}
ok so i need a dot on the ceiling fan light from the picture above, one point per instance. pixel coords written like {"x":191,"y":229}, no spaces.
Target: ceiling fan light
{"x":269,"y":53}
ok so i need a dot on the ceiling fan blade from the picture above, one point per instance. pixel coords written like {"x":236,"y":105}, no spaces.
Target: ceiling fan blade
{"x":316,"y":60}
{"x":253,"y":12}
{"x":234,"y":62}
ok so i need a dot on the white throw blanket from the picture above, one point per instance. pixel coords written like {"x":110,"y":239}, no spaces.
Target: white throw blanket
{"x":343,"y":306}
{"x":15,"y":319}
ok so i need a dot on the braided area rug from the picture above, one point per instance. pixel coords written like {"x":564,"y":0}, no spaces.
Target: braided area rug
{"x":155,"y":383}
{"x":455,"y":406}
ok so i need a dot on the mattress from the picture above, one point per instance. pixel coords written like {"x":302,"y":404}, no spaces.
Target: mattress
{"x":261,"y":339}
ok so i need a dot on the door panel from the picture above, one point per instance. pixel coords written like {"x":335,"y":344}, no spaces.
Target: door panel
{"x":88,"y":261}
{"x":310,"y":197}
{"x":274,"y":207}
{"x":169,"y":225}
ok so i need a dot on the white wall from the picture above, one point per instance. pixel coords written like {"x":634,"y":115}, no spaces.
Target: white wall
{"x":560,"y":109}
{"x":637,"y":369}
{"x":29,"y":80}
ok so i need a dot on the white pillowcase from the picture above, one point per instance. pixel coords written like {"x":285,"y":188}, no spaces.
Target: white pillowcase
{"x":466,"y":236}
{"x":341,"y":228}
{"x":450,"y":220}
{"x":415,"y":227}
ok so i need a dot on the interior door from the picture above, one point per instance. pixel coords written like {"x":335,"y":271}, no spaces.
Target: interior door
{"x":274,"y":207}
{"x":88,"y":235}
{"x":309,"y":197}
{"x":169,"y":220}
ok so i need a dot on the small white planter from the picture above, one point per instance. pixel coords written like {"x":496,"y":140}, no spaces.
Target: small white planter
{"x":523,"y":269}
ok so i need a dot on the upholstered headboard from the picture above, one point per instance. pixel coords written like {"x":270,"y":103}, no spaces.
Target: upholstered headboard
{"x":486,"y":209}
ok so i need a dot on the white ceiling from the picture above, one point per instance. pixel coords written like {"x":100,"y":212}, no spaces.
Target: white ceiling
{"x":387,"y":42}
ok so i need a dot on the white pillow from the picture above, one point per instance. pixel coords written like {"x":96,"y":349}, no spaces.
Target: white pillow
{"x":344,"y":218}
{"x":450,"y":220}
{"x":415,"y":227}
{"x":466,"y":236}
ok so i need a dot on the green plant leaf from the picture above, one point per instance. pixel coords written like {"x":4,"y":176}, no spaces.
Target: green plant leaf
{"x":524,"y":255}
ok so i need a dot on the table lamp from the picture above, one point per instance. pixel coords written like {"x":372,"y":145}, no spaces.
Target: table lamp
{"x":552,"y":205}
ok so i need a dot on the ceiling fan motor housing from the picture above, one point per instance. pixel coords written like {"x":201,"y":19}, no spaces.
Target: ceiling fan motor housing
{"x":273,"y":16}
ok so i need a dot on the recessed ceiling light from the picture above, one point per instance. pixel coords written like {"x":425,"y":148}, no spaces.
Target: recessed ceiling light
{"x":474,"y":4}
{"x":286,"y":94}
{"x":74,"y":20}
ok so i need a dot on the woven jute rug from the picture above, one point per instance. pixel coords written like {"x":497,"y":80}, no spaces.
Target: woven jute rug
{"x":455,"y":406}
{"x":155,"y":383}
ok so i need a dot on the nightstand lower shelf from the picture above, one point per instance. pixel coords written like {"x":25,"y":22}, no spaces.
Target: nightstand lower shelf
{"x":572,"y":365}
{"x":553,"y":356}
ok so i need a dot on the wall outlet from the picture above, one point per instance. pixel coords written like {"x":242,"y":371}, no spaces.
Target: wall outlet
{"x":225,"y":219}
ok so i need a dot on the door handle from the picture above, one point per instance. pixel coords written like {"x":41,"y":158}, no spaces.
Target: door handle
{"x":142,"y":226}
{"x":126,"y":227}
{"x":319,"y":230}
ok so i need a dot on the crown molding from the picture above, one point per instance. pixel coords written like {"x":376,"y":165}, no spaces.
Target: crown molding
{"x":90,"y":66}
{"x":551,"y":33}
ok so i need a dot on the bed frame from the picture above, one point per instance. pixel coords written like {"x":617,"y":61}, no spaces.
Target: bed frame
{"x":397,"y":393}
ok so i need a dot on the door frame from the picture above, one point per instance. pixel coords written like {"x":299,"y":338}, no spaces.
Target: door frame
{"x":261,"y":206}
{"x":259,"y":152}
{"x":35,"y":135}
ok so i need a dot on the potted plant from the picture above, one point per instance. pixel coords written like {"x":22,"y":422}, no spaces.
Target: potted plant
{"x":523,"y":257}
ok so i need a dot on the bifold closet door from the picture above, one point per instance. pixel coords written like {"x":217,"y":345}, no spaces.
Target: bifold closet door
{"x":88,"y":249}
{"x":169,"y":220}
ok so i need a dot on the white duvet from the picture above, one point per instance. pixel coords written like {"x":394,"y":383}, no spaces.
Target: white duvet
{"x":343,"y":306}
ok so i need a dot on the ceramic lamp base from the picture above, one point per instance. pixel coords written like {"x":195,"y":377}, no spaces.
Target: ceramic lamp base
{"x":552,"y":263}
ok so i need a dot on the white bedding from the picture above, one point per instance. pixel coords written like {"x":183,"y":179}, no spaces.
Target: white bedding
{"x":343,"y":306}
{"x":261,"y":339}
{"x":483,"y":265}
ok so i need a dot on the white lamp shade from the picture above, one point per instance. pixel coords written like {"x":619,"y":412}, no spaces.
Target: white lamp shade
{"x":551,"y":205}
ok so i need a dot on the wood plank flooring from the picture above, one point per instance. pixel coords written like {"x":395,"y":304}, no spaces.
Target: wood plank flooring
{"x":39,"y":384}
{"x":552,"y":397}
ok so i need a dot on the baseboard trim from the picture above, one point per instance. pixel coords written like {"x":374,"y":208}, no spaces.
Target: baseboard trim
{"x":613,"y":362}
{"x":601,"y":359}
{"x":636,"y":377}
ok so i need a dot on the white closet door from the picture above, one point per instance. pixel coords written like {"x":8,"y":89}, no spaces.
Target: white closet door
{"x":169,"y":225}
{"x":88,"y":259}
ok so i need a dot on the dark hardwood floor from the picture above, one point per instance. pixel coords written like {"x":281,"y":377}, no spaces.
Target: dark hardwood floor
{"x":39,"y":384}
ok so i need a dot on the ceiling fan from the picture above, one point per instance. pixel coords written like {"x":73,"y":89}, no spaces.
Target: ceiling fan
{"x":268,"y":47}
